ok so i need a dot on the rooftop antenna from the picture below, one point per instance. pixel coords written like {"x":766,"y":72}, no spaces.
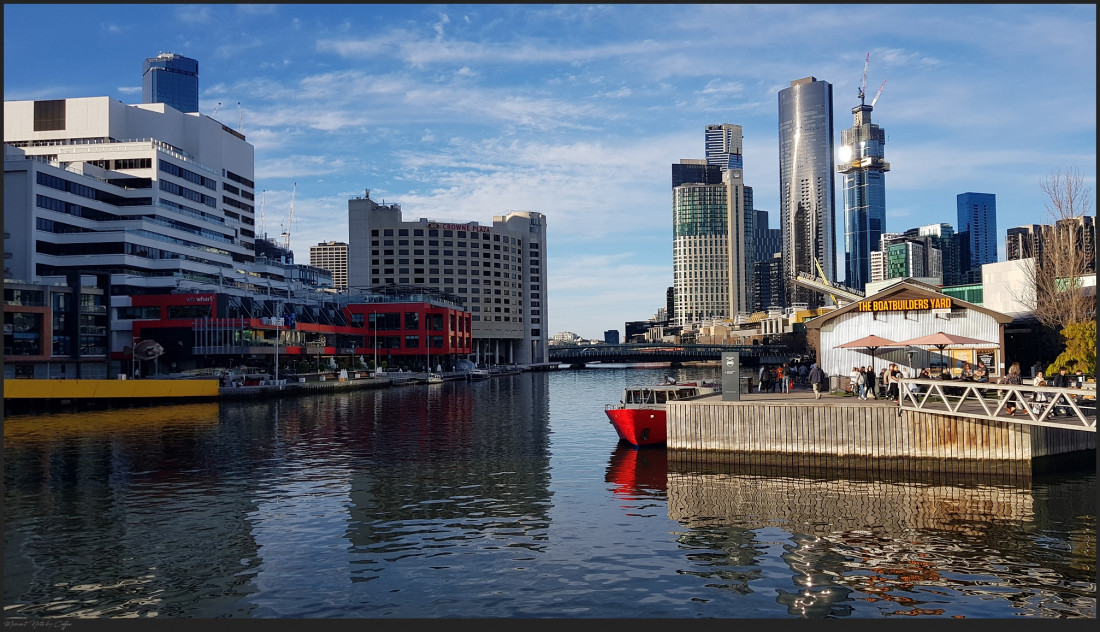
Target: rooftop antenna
{"x":875,"y":100}
{"x":863,"y":83}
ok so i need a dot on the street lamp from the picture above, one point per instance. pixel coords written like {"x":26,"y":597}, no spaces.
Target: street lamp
{"x":133,"y":356}
{"x":278,"y":322}
{"x":374,"y":320}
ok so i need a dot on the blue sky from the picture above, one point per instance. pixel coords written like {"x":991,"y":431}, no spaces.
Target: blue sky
{"x":463,"y":112}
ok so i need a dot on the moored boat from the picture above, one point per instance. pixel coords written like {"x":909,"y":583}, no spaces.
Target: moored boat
{"x":639,"y":418}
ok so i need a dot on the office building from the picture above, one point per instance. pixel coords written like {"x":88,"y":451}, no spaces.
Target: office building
{"x":171,"y":79}
{"x":806,"y":207}
{"x":977,"y":217}
{"x":712,"y":231}
{"x":768,"y":283}
{"x":1022,"y":242}
{"x":332,"y":256}
{"x":497,"y":271}
{"x":863,"y":168}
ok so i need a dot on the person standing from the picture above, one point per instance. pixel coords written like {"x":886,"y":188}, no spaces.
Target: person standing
{"x":762,"y":378}
{"x":892,"y":383}
{"x":1061,"y":380}
{"x":803,"y":371}
{"x":861,"y":382}
{"x":869,"y":382}
{"x":816,"y":377}
{"x":1013,"y":377}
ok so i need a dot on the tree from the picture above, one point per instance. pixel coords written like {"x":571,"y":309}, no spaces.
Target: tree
{"x":1080,"y":350}
{"x":1064,"y":253}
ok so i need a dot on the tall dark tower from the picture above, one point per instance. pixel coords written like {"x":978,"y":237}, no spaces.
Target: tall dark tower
{"x":171,"y":79}
{"x":806,"y":208}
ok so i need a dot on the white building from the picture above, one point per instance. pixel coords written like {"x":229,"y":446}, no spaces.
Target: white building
{"x":148,"y":193}
{"x":904,"y":311}
{"x":498,"y":271}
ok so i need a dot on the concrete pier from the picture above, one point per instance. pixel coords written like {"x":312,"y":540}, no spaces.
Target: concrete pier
{"x":849,"y":433}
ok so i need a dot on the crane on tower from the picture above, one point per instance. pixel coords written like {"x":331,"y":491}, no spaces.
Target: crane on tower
{"x":290,"y":219}
{"x":863,"y":82}
{"x":877,"y":94}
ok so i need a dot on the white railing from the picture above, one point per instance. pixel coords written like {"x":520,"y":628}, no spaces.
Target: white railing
{"x":1050,"y":406}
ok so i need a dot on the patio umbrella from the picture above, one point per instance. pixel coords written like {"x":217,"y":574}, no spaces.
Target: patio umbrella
{"x":940,"y":340}
{"x":871,"y":343}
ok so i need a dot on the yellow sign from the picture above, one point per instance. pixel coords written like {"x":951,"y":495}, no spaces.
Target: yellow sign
{"x":905,"y":304}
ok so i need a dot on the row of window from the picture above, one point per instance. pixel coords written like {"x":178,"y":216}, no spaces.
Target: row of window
{"x":186,"y":174}
{"x":434,"y":232}
{"x":184,"y":192}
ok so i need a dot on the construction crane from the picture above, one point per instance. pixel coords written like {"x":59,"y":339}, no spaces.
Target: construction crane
{"x":825,"y":280}
{"x":263,"y":200}
{"x":863,"y":83}
{"x":875,"y":100}
{"x":290,"y":219}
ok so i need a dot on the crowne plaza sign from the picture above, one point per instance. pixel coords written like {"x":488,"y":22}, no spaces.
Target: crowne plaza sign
{"x":905,"y":304}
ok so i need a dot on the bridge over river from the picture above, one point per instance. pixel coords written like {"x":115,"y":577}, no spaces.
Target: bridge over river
{"x":641,"y":353}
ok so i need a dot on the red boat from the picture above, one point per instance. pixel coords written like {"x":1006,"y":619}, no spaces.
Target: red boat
{"x":639,"y":419}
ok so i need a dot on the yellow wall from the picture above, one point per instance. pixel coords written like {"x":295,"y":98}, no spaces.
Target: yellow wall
{"x":91,"y":389}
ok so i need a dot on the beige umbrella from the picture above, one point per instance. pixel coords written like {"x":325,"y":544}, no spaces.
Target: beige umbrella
{"x":872,"y":343}
{"x":940,"y":340}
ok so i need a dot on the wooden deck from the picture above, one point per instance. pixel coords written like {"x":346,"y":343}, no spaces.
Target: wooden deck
{"x":844,"y":430}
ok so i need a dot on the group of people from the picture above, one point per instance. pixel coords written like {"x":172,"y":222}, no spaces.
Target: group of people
{"x":865,"y":384}
{"x":1039,"y":399}
{"x":783,"y":378}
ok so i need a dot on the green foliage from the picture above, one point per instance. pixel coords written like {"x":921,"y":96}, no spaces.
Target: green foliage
{"x":1080,"y":350}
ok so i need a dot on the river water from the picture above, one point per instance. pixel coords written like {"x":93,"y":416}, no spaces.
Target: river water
{"x":507,"y":497}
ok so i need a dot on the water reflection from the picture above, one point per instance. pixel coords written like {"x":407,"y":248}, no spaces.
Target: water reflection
{"x":905,"y":546}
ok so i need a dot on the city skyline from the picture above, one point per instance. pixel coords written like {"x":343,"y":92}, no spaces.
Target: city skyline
{"x":464,"y":112}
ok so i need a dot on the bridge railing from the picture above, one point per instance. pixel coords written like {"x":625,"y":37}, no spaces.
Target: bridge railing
{"x":1036,"y":405}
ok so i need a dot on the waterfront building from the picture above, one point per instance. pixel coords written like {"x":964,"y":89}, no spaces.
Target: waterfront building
{"x":332,"y":256}
{"x":144,"y":198}
{"x":498,"y":271}
{"x":806,"y":207}
{"x":863,"y":166}
{"x":171,"y":79}
{"x":902,"y":311}
{"x":977,"y":218}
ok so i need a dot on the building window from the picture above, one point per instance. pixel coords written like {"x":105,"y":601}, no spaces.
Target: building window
{"x":49,"y":115}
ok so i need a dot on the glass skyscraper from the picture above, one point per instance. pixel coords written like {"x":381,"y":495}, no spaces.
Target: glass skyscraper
{"x":171,"y":79}
{"x":806,"y":208}
{"x":977,"y":218}
{"x":863,"y":167}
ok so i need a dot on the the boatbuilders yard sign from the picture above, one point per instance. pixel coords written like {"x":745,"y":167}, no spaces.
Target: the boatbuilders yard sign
{"x":731,"y":376}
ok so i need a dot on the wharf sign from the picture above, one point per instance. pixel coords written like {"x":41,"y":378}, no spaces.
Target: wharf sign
{"x":906,"y":304}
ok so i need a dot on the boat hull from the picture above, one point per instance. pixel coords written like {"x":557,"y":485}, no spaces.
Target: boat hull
{"x":639,"y":426}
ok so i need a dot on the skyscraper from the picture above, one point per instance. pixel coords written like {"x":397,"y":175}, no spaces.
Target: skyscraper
{"x":712,"y":231}
{"x":806,"y":208}
{"x":171,"y":79}
{"x":863,"y":167}
{"x":977,"y":217}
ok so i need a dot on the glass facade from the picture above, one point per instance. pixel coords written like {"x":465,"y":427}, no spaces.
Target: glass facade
{"x":977,"y":217}
{"x":863,"y":169}
{"x":806,"y":207}
{"x":171,"y":79}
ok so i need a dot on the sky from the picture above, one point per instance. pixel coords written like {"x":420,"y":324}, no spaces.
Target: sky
{"x":465,"y":112}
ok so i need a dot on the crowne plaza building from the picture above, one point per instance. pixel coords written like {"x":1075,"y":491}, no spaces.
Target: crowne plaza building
{"x":498,"y":272}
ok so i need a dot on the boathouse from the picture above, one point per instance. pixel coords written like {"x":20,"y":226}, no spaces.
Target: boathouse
{"x":901,"y":312}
